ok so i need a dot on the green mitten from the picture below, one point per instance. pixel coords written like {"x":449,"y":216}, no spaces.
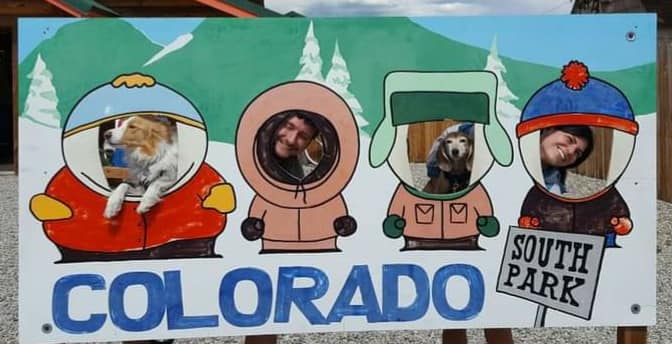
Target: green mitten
{"x":488,"y":226}
{"x":393,"y":226}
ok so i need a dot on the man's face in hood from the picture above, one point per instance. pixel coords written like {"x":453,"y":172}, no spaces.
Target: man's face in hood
{"x":293,"y":136}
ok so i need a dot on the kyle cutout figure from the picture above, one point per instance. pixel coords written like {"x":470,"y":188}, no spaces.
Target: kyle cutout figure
{"x":447,"y":221}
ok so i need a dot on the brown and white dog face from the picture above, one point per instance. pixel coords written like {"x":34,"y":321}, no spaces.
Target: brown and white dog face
{"x":456,"y":153}
{"x":142,"y":133}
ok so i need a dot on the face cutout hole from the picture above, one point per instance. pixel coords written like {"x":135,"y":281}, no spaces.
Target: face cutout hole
{"x":441,"y":155}
{"x":126,"y":144}
{"x":297,"y":147}
{"x":575,"y":159}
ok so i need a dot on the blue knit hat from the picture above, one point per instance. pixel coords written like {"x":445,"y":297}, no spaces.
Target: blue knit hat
{"x":577,"y":99}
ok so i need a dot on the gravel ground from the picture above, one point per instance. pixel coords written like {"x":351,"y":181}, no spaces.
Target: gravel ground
{"x":660,"y":333}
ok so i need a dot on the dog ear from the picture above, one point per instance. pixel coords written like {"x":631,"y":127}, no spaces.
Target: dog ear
{"x":445,"y":164}
{"x":159,"y":130}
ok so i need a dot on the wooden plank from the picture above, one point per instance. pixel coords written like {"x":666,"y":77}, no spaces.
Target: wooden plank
{"x":421,"y":136}
{"x":142,"y":8}
{"x":65,"y":8}
{"x":29,"y":8}
{"x":597,"y":164}
{"x":154,"y":11}
{"x":631,"y":335}
{"x":228,"y":8}
{"x":149,"y":3}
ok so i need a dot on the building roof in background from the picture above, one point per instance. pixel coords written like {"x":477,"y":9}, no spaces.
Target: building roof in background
{"x":234,"y":8}
{"x":663,"y":9}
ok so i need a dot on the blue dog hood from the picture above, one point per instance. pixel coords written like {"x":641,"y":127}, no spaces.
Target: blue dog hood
{"x":127,"y":95}
{"x":123,"y":97}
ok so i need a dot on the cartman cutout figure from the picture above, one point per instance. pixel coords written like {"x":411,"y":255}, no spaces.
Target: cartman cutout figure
{"x":191,"y":213}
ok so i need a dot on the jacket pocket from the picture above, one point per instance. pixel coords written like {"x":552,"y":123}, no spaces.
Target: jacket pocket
{"x":458,"y":213}
{"x":424,"y":214}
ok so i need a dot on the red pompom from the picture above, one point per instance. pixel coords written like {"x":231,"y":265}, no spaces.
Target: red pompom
{"x":575,"y":75}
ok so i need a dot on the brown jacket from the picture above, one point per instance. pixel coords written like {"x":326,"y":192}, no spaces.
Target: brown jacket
{"x":592,"y":215}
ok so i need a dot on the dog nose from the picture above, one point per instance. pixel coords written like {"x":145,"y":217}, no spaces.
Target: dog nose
{"x":108,"y":135}
{"x":454,"y":152}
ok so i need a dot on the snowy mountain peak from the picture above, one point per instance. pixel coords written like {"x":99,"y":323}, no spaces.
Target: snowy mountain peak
{"x":179,"y":43}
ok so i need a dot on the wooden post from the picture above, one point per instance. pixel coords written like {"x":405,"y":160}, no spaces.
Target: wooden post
{"x":454,"y":336}
{"x":492,"y":336}
{"x":631,"y":335}
{"x":261,"y":339}
{"x":15,"y":96}
{"x":498,"y":336}
{"x":664,"y":113}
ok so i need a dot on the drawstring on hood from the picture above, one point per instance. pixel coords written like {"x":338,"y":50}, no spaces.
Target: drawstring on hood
{"x":301,"y":188}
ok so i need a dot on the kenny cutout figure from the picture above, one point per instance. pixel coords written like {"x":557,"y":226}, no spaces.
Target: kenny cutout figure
{"x":298,"y":204}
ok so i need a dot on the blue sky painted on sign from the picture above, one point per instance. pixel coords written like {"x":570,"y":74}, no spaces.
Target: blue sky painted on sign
{"x":34,"y":31}
{"x":162,"y":33}
{"x":599,"y":41}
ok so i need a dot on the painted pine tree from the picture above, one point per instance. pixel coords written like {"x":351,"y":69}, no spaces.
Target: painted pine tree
{"x":504,"y":95}
{"x":338,"y":79}
{"x":311,"y":62}
{"x":42,"y":101}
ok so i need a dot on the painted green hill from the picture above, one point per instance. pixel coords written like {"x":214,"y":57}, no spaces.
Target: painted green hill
{"x":525,"y":78}
{"x":85,"y":54}
{"x":393,"y":44}
{"x":400,"y":44}
{"x":230,"y":61}
{"x":225,"y":66}
{"x":638,"y":84}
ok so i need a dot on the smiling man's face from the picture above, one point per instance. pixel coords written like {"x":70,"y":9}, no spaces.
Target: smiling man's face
{"x":292,"y":137}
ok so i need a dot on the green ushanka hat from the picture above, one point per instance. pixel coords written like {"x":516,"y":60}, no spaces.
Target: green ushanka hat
{"x":412,"y":97}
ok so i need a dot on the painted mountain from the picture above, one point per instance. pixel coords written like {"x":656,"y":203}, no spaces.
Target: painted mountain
{"x":79,"y":60}
{"x":223,"y":66}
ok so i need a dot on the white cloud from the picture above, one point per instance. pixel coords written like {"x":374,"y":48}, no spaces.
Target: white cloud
{"x":315,"y":8}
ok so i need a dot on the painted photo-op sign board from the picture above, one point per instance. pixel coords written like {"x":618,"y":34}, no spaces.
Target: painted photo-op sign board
{"x":225,"y":177}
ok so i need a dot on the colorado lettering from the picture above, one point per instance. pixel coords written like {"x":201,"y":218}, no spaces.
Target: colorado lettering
{"x":275,"y":300}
